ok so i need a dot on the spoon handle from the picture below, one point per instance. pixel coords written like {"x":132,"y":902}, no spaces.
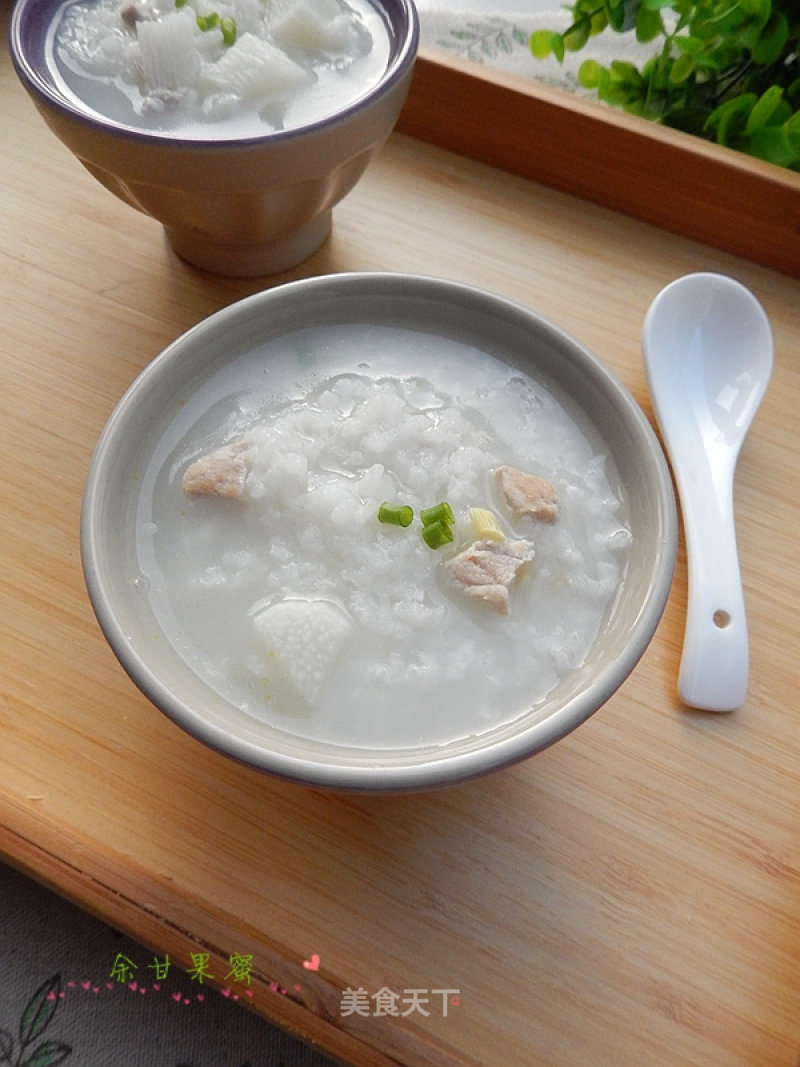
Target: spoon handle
{"x":715,"y":662}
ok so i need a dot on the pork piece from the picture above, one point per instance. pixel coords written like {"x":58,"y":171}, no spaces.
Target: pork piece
{"x":131,"y":14}
{"x":219,"y":473}
{"x":528,"y":495}
{"x":487,"y":568}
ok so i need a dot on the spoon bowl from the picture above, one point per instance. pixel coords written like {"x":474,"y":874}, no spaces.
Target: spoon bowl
{"x":708,"y":352}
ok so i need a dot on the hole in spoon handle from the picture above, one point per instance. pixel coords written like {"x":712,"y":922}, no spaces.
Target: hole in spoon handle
{"x":715,"y":662}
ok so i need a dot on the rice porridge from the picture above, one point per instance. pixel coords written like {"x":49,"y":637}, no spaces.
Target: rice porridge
{"x":275,"y":573}
{"x":218,"y":68}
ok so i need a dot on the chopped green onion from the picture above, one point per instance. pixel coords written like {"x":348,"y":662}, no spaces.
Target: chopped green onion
{"x":396,"y":514}
{"x":208,"y":22}
{"x":437,"y":533}
{"x":438,"y":513}
{"x":228,"y":27}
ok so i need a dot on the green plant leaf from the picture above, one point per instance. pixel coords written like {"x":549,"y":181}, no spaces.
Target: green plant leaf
{"x":727,"y":70}
{"x":782,"y":113}
{"x":540,"y":43}
{"x":772,"y":39}
{"x":648,"y":25}
{"x":577,"y":35}
{"x":683,"y":68}
{"x":621,"y":14}
{"x":730,"y":117}
{"x":688,"y":119}
{"x":599,"y":21}
{"x":763,"y":109}
{"x":773,"y":144}
{"x":703,"y":30}
{"x":631,"y":10}
{"x":625,"y":76}
{"x":48,"y":1054}
{"x":656,"y":73}
{"x":759,"y":8}
{"x":792,"y":128}
{"x":39,"y":1010}
{"x":589,"y":74}
{"x":690,"y":45}
{"x":618,"y":91}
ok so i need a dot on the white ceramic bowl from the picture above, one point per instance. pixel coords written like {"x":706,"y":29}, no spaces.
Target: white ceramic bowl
{"x":222,"y":357}
{"x":243,"y":207}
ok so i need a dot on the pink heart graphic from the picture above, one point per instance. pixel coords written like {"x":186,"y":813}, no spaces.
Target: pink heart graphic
{"x":186,"y":1000}
{"x":176,"y":997}
{"x":225,"y":992}
{"x":143,"y":990}
{"x":132,"y":986}
{"x":235,"y":996}
{"x":51,"y":995}
{"x":273,"y":986}
{"x":312,"y":964}
{"x":201,"y":996}
{"x":71,"y":985}
{"x":109,"y":985}
{"x":297,"y":987}
{"x":85,"y":985}
{"x":249,"y":992}
{"x":96,"y":989}
{"x":156,"y":986}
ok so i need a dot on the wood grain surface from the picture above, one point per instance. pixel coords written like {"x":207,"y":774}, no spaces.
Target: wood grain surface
{"x":686,"y":184}
{"x":631,"y":896}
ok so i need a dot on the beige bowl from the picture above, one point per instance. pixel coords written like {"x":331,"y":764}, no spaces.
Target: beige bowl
{"x":230,"y":359}
{"x":240,"y":207}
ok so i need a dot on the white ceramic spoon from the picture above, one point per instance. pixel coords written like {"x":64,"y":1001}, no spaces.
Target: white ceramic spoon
{"x":708,"y":356}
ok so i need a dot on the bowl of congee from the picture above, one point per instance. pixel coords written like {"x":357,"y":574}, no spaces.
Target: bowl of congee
{"x":237,"y":124}
{"x":378,"y":532}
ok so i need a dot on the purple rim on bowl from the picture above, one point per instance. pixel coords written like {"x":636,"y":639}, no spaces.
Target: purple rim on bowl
{"x":30,"y":40}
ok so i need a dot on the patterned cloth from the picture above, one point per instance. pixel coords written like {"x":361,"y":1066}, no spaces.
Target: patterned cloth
{"x":497,"y":35}
{"x":61,"y":997}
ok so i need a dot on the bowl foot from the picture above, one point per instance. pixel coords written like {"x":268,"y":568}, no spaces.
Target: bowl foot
{"x":250,"y":260}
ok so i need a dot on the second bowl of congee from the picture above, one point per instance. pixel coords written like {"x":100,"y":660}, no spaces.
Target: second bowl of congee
{"x":238,"y":124}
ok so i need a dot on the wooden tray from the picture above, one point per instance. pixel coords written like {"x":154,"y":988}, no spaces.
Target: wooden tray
{"x":679,"y":182}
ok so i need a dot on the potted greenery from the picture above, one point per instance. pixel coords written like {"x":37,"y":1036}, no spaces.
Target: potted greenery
{"x":727,"y":70}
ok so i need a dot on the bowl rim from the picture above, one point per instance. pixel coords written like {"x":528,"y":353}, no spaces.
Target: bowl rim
{"x":438,"y":767}
{"x":401,"y":16}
